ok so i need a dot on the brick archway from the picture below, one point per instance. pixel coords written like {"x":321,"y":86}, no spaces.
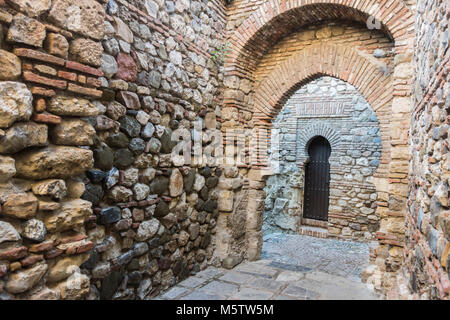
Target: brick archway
{"x":252,"y":102}
{"x":325,"y":59}
{"x":275,"y":19}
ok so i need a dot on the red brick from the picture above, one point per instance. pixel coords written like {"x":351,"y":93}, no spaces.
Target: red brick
{"x":67,"y":75}
{"x":37,"y":55}
{"x":94,"y":82}
{"x":32,"y":77}
{"x":83,"y":68}
{"x":40,"y":105}
{"x":43,"y":92}
{"x":84,"y":247}
{"x":46,"y":118}
{"x":44,"y":246}
{"x":53,"y":253}
{"x":30,"y":260}
{"x":85,"y":91}
{"x":14,"y":254}
{"x":76,"y":238}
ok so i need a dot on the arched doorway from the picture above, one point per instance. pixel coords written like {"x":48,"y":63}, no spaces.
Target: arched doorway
{"x":317,"y":180}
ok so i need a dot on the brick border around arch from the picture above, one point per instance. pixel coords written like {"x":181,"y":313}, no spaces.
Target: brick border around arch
{"x":394,"y":16}
{"x":332,"y":60}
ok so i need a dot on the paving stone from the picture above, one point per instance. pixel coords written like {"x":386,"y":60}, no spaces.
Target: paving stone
{"x":267,"y":284}
{"x":210,"y":273}
{"x":219,"y":287}
{"x":199,"y":295}
{"x":251,"y":294}
{"x":237,"y":277}
{"x":192,"y":282}
{"x":175,"y":293}
{"x":300,"y":292}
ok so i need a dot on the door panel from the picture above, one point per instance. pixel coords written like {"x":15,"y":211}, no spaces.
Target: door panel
{"x":317,"y":180}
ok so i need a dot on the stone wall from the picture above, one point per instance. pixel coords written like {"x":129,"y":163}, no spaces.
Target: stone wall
{"x":427,"y":247}
{"x":333,"y":109}
{"x":92,"y":205}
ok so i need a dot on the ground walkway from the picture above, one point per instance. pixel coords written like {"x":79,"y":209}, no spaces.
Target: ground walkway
{"x":292,"y":267}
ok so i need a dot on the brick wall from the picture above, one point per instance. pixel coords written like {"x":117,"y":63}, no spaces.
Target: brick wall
{"x":330,"y":108}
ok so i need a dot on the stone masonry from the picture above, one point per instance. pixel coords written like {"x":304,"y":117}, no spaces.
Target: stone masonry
{"x":330,"y":108}
{"x":92,"y":206}
{"x":93,"y":92}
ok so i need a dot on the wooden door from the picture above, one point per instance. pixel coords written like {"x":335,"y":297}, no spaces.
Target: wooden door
{"x":317,"y":180}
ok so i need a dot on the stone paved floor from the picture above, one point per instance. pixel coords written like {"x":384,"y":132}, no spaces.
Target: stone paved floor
{"x":292,"y":267}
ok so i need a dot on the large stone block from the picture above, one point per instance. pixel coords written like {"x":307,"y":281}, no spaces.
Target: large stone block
{"x":10,"y":66}
{"x":25,"y":279}
{"x":87,"y":51}
{"x":57,"y":44}
{"x":55,"y":188}
{"x":71,"y":215}
{"x":68,"y":106}
{"x":7,"y":168}
{"x":21,"y":205}
{"x":82,"y":16}
{"x":53,"y":162}
{"x":66,"y":267}
{"x":15,"y":103}
{"x":8,"y":232}
{"x":73,"y":132}
{"x":31,"y":8}
{"x":26,"y":30}
{"x":23,"y":135}
{"x":75,"y":287}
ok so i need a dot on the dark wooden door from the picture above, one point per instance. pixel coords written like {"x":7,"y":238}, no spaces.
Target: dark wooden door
{"x":317,"y":180}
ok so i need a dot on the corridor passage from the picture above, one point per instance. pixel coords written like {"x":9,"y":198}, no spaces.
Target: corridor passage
{"x":292,"y":267}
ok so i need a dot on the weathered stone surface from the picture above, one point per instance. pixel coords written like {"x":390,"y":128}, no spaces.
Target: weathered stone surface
{"x":10,"y":66}
{"x":104,"y":157}
{"x":176,"y":183}
{"x":109,"y":66}
{"x":130,"y":126}
{"x":55,"y":188}
{"x":8,"y":232}
{"x":71,"y":215}
{"x":75,"y":287}
{"x":159,"y":185}
{"x":141,"y":191}
{"x":225,"y":201}
{"x":7,"y":168}
{"x":120,"y":194}
{"x":126,"y":68}
{"x":68,"y":106}
{"x":21,"y":205}
{"x":147,"y":230}
{"x":65,"y":267}
{"x":53,"y":162}
{"x":87,"y":51}
{"x":31,"y":8}
{"x":34,"y":229}
{"x":56,"y":44}
{"x":109,"y":215}
{"x":73,"y":132}
{"x":123,"y":31}
{"x":161,"y":210}
{"x":23,"y":135}
{"x":26,"y":30}
{"x":123,"y":158}
{"x":82,"y":16}
{"x":15,"y":103}
{"x":25,"y":279}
